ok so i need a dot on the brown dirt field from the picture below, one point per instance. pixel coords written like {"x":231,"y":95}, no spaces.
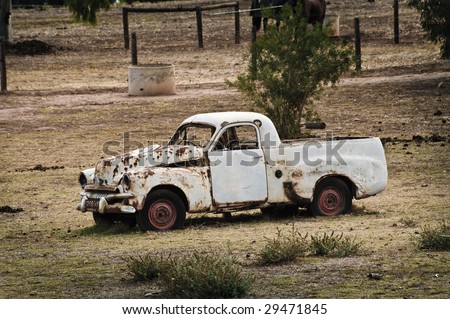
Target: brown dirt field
{"x":62,"y":106}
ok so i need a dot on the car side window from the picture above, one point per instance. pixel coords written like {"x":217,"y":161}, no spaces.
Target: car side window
{"x":238,"y":138}
{"x":193,"y":134}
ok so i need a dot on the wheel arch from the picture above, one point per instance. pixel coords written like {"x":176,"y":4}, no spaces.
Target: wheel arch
{"x":351,"y":186}
{"x":173,"y":189}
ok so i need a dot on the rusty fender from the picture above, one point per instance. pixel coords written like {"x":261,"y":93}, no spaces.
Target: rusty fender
{"x":193,"y":182}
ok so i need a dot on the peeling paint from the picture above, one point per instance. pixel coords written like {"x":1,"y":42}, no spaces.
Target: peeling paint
{"x":212,"y":180}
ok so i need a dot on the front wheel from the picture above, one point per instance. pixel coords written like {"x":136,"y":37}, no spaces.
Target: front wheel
{"x":102,"y":219}
{"x":107,"y":220}
{"x":163,"y":210}
{"x":331,"y":197}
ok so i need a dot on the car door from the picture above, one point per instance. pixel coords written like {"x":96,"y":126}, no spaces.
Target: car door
{"x":237,"y":165}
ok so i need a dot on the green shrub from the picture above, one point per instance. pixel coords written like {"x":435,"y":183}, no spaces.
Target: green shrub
{"x":334,"y":245}
{"x":435,"y":20}
{"x":435,"y":238}
{"x":146,"y":267}
{"x":284,"y":247}
{"x":86,"y":11}
{"x":205,"y":276}
{"x":289,"y":67}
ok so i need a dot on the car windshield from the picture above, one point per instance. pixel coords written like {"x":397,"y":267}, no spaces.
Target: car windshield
{"x":193,"y":134}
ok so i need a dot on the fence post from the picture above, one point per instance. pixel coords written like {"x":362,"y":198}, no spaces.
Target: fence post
{"x":237,"y":24}
{"x":357,"y":46}
{"x":3,"y":64}
{"x":5,"y":14}
{"x":253,"y":50}
{"x":134,"y":59}
{"x":396,"y":23}
{"x":126,"y":31}
{"x":198,"y":11}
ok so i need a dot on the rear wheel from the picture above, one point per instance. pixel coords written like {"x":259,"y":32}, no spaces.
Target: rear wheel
{"x":331,"y":197}
{"x":163,"y":210}
{"x":280,"y":210}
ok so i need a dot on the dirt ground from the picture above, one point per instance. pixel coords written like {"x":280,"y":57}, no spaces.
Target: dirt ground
{"x":67,"y":96}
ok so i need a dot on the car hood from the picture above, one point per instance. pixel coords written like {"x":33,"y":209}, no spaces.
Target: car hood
{"x":109,"y":172}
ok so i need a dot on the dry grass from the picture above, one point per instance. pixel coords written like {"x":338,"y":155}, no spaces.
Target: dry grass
{"x":50,"y":250}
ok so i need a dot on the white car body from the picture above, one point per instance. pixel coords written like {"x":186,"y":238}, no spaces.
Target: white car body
{"x":256,"y":172}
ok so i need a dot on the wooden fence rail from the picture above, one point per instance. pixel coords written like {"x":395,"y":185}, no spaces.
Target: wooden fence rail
{"x":198,"y":10}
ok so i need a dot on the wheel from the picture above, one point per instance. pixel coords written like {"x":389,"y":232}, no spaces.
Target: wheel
{"x":163,"y":210}
{"x":280,"y":210}
{"x":129,"y":220}
{"x":269,"y":211}
{"x":331,"y":197}
{"x":227,"y":216}
{"x":290,"y":210}
{"x":110,"y":219}
{"x":102,"y":219}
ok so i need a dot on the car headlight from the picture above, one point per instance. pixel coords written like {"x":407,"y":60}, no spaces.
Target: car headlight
{"x":126,"y":182}
{"x":86,"y":177}
{"x":83,"y":180}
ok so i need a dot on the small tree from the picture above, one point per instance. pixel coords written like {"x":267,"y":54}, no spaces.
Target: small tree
{"x":293,"y":66}
{"x":435,"y":20}
{"x":86,"y":10}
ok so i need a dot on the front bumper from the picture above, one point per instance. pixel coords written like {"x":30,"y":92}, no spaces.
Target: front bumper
{"x":100,"y":202}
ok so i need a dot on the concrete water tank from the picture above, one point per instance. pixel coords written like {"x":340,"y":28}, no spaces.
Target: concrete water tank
{"x":151,"y":79}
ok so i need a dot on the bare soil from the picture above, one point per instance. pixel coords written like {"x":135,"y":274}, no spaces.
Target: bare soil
{"x":67,"y":96}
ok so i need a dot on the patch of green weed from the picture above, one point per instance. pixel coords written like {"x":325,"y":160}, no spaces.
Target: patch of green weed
{"x":204,"y":275}
{"x":146,"y":267}
{"x":435,"y":238}
{"x":334,"y":245}
{"x":284,"y":247}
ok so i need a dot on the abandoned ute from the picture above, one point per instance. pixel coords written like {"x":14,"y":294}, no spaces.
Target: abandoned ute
{"x":228,"y":161}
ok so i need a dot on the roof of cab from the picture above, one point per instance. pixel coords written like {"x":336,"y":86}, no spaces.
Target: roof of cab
{"x":268,"y":131}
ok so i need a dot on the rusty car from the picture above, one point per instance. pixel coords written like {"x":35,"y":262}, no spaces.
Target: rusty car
{"x":229,"y":161}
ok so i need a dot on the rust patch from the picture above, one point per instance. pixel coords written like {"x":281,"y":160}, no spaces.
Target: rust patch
{"x":180,"y":152}
{"x":291,"y":194}
{"x":297,"y":174}
{"x":107,"y":162}
{"x":157,"y":154}
{"x":144,"y":174}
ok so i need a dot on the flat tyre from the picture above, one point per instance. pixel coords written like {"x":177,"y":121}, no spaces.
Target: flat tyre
{"x":332,"y":197}
{"x":163,"y":210}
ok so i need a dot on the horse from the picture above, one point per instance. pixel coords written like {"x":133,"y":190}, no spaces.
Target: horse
{"x":313,"y":11}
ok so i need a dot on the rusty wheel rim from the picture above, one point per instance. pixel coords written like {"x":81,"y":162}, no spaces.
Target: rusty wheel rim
{"x":162,"y":214}
{"x":331,"y":201}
